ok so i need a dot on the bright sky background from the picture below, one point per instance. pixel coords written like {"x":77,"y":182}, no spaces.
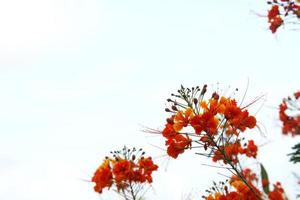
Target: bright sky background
{"x":78,"y":78}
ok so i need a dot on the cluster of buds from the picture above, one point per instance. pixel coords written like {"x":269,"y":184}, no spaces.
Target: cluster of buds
{"x":283,"y":11}
{"x":126,"y":170}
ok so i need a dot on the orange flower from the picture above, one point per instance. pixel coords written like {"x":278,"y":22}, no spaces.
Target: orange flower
{"x":182,"y":119}
{"x":297,"y":94}
{"x":274,"y":18}
{"x":231,"y":151}
{"x":103,"y":176}
{"x":251,"y":150}
{"x":213,"y":107}
{"x":231,"y":110}
{"x":206,"y":122}
{"x":275,"y":23}
{"x":146,"y":166}
{"x":218,"y":155}
{"x":228,"y":196}
{"x":215,"y":122}
{"x":122,"y":171}
{"x":169,"y":131}
{"x":237,"y":118}
{"x":277,"y":193}
{"x":274,"y":12}
{"x":244,"y":191}
{"x":291,"y":124}
{"x":177,"y":145}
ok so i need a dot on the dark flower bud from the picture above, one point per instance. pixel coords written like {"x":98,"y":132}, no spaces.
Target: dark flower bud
{"x":215,"y":96}
{"x":195,"y":101}
{"x":203,"y":91}
{"x":174,"y":108}
{"x":170,"y":121}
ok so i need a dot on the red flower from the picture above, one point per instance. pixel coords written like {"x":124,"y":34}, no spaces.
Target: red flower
{"x":251,"y":150}
{"x":297,"y":94}
{"x":277,"y":193}
{"x":290,"y":124}
{"x":275,"y":23}
{"x":182,"y":119}
{"x":274,"y":12}
{"x":102,"y":177}
{"x":206,"y":122}
{"x":177,"y":145}
{"x":146,"y":166}
{"x":169,"y":131}
{"x":274,"y":18}
{"x":122,"y":171}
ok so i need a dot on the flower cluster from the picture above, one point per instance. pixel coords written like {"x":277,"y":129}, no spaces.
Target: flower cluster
{"x":237,"y":189}
{"x":214,"y":123}
{"x":280,"y":10}
{"x":127,"y":170}
{"x":232,"y":150}
{"x":289,"y":114}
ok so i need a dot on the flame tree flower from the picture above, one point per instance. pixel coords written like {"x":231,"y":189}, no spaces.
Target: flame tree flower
{"x":126,"y":171}
{"x":236,"y":189}
{"x":283,"y":12}
{"x":289,"y":114}
{"x":215,"y":124}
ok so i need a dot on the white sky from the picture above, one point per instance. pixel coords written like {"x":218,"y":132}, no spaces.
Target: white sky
{"x":78,"y":77}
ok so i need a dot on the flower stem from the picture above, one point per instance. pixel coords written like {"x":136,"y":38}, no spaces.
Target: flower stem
{"x":238,"y":173}
{"x":132,"y":192}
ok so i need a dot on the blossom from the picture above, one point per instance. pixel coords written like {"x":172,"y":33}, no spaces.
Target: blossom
{"x":228,"y":153}
{"x":274,"y":18}
{"x":273,"y":12}
{"x":290,"y":124}
{"x":146,"y":167}
{"x":244,"y":191}
{"x":283,"y":12}
{"x":251,"y":150}
{"x":297,"y":94}
{"x":177,"y":145}
{"x":238,"y":118}
{"x":277,"y":193}
{"x":126,"y":168}
{"x":205,"y":122}
{"x":103,"y":176}
{"x":217,"y":117}
{"x":275,"y":23}
{"x":169,"y":131}
{"x":238,"y":189}
{"x":122,"y":171}
{"x":181,"y":119}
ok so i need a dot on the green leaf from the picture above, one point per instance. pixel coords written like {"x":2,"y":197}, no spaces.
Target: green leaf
{"x":295,"y":156}
{"x":264,"y":179}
